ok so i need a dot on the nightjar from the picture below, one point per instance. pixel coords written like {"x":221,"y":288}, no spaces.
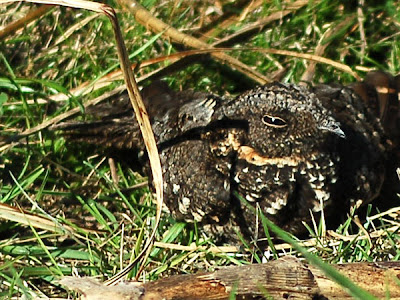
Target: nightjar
{"x":285,"y":150}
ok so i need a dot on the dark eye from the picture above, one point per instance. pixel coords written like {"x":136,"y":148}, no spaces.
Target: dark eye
{"x":274,"y":121}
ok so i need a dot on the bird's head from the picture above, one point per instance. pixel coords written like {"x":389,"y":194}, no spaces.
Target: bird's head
{"x":283,"y":119}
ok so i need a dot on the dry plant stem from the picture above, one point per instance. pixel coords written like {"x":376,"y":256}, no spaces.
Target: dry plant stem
{"x":357,"y":221}
{"x":31,"y":16}
{"x":320,"y":49}
{"x":113,"y":169}
{"x":228,"y":18}
{"x":144,"y":17}
{"x":312,"y":57}
{"x":393,"y":210}
{"x":22,"y":216}
{"x":148,"y":137}
{"x":7,"y":145}
{"x":338,"y":238}
{"x":74,"y":28}
{"x":361,"y":19}
{"x":315,"y":58}
{"x":256,"y":27}
{"x":139,"y":108}
{"x":193,"y":247}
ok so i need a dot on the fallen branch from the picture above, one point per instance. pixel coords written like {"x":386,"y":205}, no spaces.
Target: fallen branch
{"x":286,"y":278}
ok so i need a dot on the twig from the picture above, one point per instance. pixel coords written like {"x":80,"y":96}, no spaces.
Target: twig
{"x":285,"y":278}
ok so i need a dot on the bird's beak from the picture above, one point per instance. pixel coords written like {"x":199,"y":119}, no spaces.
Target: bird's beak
{"x":334,"y":128}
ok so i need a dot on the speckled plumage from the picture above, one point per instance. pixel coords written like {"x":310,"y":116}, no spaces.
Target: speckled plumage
{"x":283,"y":149}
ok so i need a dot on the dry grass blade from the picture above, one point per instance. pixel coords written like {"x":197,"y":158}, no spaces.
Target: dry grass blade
{"x":242,"y":8}
{"x":74,"y":28}
{"x":361,"y":20}
{"x":137,"y":104}
{"x":315,"y":58}
{"x":394,"y":210}
{"x":260,"y":24}
{"x":31,"y":16}
{"x":336,"y":238}
{"x":311,"y":57}
{"x":194,"y":247}
{"x":320,"y":49}
{"x":148,"y":137}
{"x":147,"y":19}
{"x":21,"y":216}
{"x":59,"y":118}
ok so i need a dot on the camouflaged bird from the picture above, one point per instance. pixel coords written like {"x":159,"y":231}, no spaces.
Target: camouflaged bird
{"x":282,"y":149}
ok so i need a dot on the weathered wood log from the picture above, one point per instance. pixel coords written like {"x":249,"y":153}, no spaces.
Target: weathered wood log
{"x":286,"y":278}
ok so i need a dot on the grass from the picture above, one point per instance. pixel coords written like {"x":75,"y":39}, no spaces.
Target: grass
{"x":96,"y":227}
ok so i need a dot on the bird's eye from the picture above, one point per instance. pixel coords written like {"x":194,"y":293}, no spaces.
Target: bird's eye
{"x":274,"y":121}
